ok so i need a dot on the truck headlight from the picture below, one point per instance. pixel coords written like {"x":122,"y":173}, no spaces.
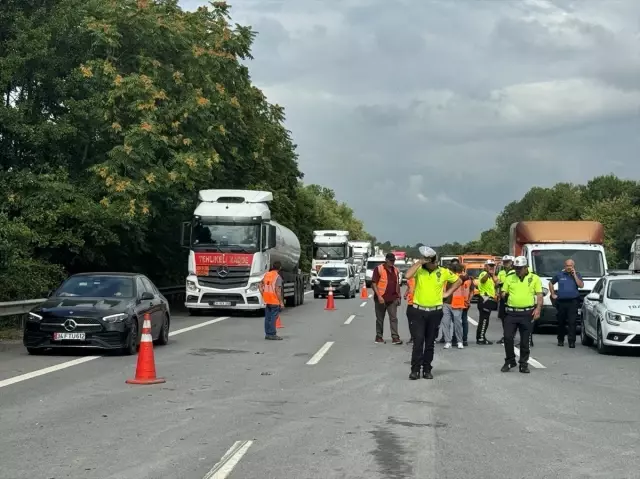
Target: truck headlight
{"x":115,"y":318}
{"x":34,"y":317}
{"x":344,"y":282}
{"x":614,"y":319}
{"x":192,"y":286}
{"x":253,"y":287}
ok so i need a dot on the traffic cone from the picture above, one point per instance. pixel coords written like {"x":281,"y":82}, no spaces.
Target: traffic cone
{"x":330,"y":303}
{"x":364,"y":294}
{"x":146,"y":368}
{"x":278,"y":323}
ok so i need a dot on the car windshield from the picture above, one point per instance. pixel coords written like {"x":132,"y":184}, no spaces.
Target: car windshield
{"x":97,"y":287}
{"x":374,"y":264}
{"x":626,"y":289}
{"x":475,"y":272}
{"x":233,"y":238}
{"x":548,"y":263}
{"x":328,"y":252}
{"x":331,"y":272}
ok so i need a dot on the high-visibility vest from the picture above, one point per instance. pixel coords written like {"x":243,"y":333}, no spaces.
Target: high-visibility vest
{"x":411,"y":284}
{"x":269,"y":294}
{"x":382,"y":282}
{"x":460,"y":297}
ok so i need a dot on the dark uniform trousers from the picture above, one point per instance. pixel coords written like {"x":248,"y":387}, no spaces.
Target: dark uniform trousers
{"x":484,"y":312}
{"x":424,"y":329}
{"x":567,"y":318}
{"x":502,"y":314}
{"x":410,"y":314}
{"x":517,"y":321}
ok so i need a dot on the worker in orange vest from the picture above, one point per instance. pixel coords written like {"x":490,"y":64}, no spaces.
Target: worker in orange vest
{"x":385,"y":283}
{"x":271,"y":289}
{"x":453,"y":308}
{"x":467,"y":283}
{"x":408,"y":295}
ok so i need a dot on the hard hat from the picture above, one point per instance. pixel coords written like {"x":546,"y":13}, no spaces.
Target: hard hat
{"x":520,"y":261}
{"x":490,"y":262}
{"x":427,"y":252}
{"x":507,"y":258}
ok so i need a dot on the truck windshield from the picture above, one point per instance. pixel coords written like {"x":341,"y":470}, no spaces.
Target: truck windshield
{"x":234,"y":238}
{"x":625,"y":289}
{"x":328,"y":252}
{"x":374,"y":264}
{"x":548,"y":263}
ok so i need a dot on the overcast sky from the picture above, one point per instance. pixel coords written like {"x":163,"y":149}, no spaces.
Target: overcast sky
{"x":428,"y":116}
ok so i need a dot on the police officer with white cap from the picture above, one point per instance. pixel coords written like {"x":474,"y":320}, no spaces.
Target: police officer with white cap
{"x":523,"y":293}
{"x":505,"y":274}
{"x":428,"y":296}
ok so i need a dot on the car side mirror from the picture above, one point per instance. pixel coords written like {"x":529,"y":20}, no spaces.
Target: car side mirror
{"x":146,"y":296}
{"x":594,"y":297}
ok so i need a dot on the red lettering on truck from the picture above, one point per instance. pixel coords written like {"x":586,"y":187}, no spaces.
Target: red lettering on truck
{"x":226,"y":259}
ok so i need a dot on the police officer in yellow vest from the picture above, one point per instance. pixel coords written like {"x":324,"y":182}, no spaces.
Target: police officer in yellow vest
{"x":426,"y":313}
{"x":487,"y":302}
{"x":506,"y":271}
{"x":523,"y":291}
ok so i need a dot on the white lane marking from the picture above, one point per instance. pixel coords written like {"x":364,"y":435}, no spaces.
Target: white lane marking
{"x":363,"y":304}
{"x":50,"y":369}
{"x":321,"y":352}
{"x":197,"y":326}
{"x":230,"y":460}
{"x":349,"y":319}
{"x":533,"y":362}
{"x":86,"y":359}
{"x":309,"y":292}
{"x":371,"y":296}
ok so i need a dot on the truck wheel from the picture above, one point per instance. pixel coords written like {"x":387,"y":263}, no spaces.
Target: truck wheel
{"x":302,"y":295}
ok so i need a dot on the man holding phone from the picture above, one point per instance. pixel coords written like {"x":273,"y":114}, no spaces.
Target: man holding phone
{"x":569,"y":282}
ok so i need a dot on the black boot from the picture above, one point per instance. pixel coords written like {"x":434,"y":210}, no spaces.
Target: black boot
{"x":426,"y":374}
{"x":524,"y":368}
{"x":501,"y":341}
{"x":414,"y":375}
{"x":508,"y":366}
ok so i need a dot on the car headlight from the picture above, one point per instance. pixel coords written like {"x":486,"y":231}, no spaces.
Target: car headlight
{"x":192,"y":286}
{"x":253,"y":287}
{"x":115,"y":318}
{"x":34,"y":317}
{"x":615,"y":319}
{"x":343,"y":282}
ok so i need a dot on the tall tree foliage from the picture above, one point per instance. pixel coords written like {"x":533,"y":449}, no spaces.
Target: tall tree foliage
{"x":608,"y":199}
{"x":113,"y":115}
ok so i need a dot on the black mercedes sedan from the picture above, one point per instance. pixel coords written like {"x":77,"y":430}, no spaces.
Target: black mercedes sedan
{"x":98,"y":310}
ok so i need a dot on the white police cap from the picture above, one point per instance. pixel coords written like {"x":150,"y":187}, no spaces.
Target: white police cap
{"x":520,"y":261}
{"x":507,"y":258}
{"x":490,"y":262}
{"x":427,"y":252}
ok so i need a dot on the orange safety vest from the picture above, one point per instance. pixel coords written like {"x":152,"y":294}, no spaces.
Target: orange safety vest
{"x":460,"y":297}
{"x":382,"y":282}
{"x":269,"y":288}
{"x":411,"y":284}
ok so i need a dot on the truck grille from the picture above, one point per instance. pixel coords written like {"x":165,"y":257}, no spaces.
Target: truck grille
{"x":226,"y":277}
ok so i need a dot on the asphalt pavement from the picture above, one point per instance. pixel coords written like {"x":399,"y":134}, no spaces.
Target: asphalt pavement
{"x":326,"y":402}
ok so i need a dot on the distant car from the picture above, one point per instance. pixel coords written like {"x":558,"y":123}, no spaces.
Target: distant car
{"x":338,"y":276}
{"x":611,"y":313}
{"x":98,"y":310}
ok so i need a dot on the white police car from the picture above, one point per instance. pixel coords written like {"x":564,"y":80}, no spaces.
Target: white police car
{"x":611,"y":312}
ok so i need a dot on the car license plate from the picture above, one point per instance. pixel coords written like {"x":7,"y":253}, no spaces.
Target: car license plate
{"x":69,"y":336}
{"x":221,"y":303}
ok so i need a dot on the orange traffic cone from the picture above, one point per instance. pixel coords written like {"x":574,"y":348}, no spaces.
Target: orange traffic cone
{"x":146,"y":368}
{"x":364,"y":294}
{"x":278,"y":323}
{"x":330,"y":303}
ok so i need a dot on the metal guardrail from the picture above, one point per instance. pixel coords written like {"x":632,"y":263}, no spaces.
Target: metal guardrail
{"x":15,"y":308}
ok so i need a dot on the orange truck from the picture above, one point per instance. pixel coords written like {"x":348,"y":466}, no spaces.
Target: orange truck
{"x":547,"y":244}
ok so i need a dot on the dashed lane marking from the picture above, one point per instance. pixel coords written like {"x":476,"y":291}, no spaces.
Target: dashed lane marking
{"x":533,"y":362}
{"x":230,"y":460}
{"x":321,"y":352}
{"x":308,"y":292}
{"x":86,"y":359}
{"x":364,"y":303}
{"x":349,"y":319}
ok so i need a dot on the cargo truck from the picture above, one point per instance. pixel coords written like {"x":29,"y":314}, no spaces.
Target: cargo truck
{"x":361,"y":252}
{"x":634,"y":260}
{"x":232,"y":243}
{"x":330,"y":246}
{"x":547,"y":244}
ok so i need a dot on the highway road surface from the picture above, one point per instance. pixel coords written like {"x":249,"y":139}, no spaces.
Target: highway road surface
{"x":324,"y":403}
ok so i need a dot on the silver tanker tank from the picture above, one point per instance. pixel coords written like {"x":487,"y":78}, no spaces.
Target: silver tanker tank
{"x":287,"y":249}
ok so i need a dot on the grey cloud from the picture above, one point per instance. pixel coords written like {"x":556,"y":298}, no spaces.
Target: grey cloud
{"x":417,"y":113}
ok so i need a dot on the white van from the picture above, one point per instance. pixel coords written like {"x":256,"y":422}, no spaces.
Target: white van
{"x":339,"y":276}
